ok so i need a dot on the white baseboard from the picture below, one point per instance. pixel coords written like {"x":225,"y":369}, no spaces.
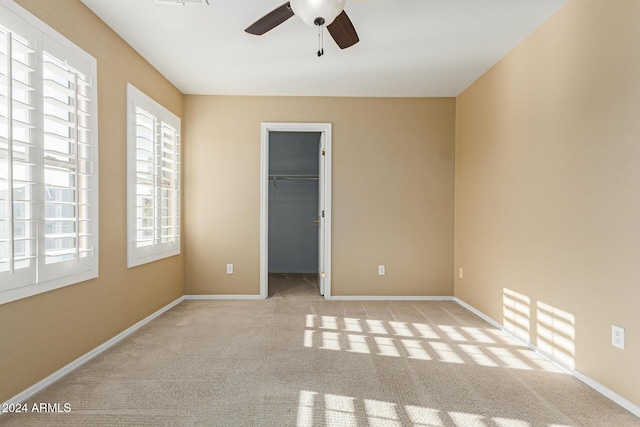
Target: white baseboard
{"x":333,"y":297}
{"x":605,"y":391}
{"x":389,"y":298}
{"x":36,"y":388}
{"x":196,"y":297}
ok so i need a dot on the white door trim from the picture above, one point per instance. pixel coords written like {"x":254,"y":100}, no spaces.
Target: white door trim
{"x":325,"y":176}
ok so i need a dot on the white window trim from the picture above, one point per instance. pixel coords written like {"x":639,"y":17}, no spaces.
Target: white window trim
{"x":139,"y":256}
{"x":64,"y":276}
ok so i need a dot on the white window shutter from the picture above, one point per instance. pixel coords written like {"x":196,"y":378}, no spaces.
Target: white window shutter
{"x":153,"y":180}
{"x":68,"y":228}
{"x":18,"y":176}
{"x":48,"y":158}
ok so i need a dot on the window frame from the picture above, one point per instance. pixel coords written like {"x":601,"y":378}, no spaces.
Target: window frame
{"x":45,"y":41}
{"x":136,"y":256}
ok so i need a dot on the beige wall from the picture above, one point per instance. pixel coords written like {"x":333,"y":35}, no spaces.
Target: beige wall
{"x":547,"y":200}
{"x":392,"y":191}
{"x":42,"y":333}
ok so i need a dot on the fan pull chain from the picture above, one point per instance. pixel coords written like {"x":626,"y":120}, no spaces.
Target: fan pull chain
{"x":320,"y":41}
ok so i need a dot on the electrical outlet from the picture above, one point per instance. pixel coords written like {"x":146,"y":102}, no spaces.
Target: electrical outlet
{"x":381,"y":270}
{"x":460,"y":272}
{"x":617,"y":336}
{"x":229,"y":268}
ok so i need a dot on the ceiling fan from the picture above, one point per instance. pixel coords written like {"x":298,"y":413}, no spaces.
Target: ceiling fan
{"x":319,"y":13}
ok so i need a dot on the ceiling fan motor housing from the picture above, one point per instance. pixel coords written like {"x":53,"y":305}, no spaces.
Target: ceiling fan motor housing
{"x":317,"y":12}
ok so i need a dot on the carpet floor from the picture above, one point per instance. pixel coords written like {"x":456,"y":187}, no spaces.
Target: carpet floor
{"x":298,"y":360}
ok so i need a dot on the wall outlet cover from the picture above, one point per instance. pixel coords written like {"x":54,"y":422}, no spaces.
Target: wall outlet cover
{"x":617,"y":336}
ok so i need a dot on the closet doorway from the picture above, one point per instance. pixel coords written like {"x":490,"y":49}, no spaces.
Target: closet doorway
{"x":295,"y":202}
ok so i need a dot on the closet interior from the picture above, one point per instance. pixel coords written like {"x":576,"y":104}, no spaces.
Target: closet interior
{"x":293,"y":202}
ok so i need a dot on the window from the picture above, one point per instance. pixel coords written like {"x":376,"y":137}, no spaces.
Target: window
{"x":48,"y":159}
{"x":153,"y":180}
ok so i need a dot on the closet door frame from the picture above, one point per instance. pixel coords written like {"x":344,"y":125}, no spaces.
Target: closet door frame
{"x":325,"y":202}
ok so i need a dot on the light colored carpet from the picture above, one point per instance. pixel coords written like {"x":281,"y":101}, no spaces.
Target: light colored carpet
{"x":297,"y":360}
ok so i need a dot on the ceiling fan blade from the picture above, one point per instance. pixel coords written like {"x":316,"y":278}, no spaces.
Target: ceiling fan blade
{"x":271,"y":20}
{"x":343,"y":32}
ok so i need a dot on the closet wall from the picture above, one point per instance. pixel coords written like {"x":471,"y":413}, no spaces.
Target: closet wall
{"x":293,"y":202}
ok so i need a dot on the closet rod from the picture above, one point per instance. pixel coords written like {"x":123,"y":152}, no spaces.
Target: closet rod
{"x":287,"y":177}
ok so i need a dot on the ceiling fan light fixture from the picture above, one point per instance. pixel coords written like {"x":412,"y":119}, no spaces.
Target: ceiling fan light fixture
{"x":314,"y":11}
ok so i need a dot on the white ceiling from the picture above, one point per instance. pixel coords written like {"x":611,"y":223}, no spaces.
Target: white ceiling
{"x":406,"y":48}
